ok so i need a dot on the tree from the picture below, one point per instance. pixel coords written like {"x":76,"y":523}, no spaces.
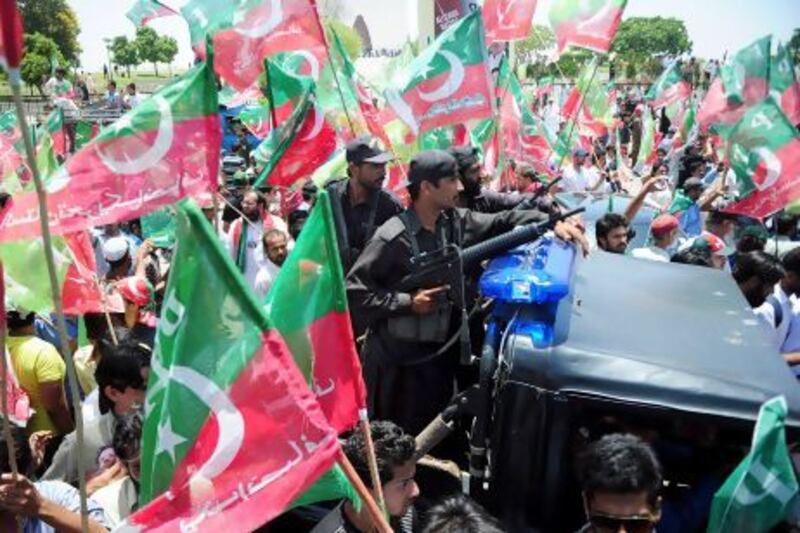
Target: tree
{"x":124,"y":53}
{"x":640,"y":41}
{"x":56,"y":20}
{"x":351,"y":40}
{"x":535,"y":50}
{"x":167,"y":49}
{"x":155,"y":48}
{"x":36,"y":67}
{"x":794,"y":46}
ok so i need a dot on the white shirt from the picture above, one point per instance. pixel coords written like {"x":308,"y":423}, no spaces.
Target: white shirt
{"x":264,"y":278}
{"x":579,"y":180}
{"x":131,"y":100}
{"x":767,"y":312}
{"x":117,"y":500}
{"x":652,"y":253}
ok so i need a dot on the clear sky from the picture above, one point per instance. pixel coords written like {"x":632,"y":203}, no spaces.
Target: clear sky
{"x":714,"y":26}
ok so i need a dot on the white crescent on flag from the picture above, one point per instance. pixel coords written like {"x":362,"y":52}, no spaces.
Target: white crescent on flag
{"x":153,"y":154}
{"x":453,"y":82}
{"x":312,"y":61}
{"x":319,"y":118}
{"x":229,"y":419}
{"x":260,"y":30}
{"x":773,"y":165}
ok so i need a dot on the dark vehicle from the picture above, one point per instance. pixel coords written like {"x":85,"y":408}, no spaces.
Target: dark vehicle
{"x":580,"y":348}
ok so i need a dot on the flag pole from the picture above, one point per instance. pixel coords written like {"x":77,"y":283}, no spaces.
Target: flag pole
{"x":369,"y":450}
{"x":577,"y":114}
{"x":12,"y":455}
{"x":336,"y":76}
{"x":14,"y":81}
{"x":378,"y":518}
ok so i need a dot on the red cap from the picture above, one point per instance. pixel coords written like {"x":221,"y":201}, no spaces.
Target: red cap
{"x":664,"y":224}
{"x":135,"y":289}
{"x":717,"y":245}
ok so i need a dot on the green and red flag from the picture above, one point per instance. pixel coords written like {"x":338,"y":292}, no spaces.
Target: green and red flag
{"x":508,"y":20}
{"x":161,"y":151}
{"x":54,"y":126}
{"x":742,"y":83}
{"x":686,"y":124}
{"x":287,"y":88}
{"x":232,"y":433}
{"x":25,"y":268}
{"x":246,"y":32}
{"x":307,"y":304}
{"x":448,"y":83}
{"x":647,"y":149}
{"x":783,"y":84}
{"x":10,"y":37}
{"x":85,"y":131}
{"x":256,"y":118}
{"x":144,"y":11}
{"x":764,"y":152}
{"x":669,"y":88}
{"x":588,"y":104}
{"x":11,"y":158}
{"x":761,"y":491}
{"x":589,"y":24}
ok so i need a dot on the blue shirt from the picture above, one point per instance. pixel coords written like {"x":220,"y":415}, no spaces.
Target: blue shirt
{"x":67,"y":497}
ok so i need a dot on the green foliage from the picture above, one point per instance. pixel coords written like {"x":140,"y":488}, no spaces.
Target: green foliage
{"x":155,"y":48}
{"x":532,"y":53}
{"x":641,"y":40}
{"x":56,"y":20}
{"x":794,"y":46}
{"x":125,"y":53}
{"x":35,"y":68}
{"x":349,"y":37}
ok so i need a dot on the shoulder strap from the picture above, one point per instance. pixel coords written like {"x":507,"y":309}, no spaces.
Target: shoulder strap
{"x":777,"y":309}
{"x":338,"y":219}
{"x":373,"y":210}
{"x":411,"y":237}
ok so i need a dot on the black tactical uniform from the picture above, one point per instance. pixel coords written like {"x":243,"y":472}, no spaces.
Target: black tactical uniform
{"x":355,"y":224}
{"x":404,"y":384}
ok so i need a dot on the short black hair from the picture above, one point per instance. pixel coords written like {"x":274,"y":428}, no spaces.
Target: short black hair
{"x":619,"y":464}
{"x":127,"y":440}
{"x":393,"y":448}
{"x":22,"y":451}
{"x":17,"y":320}
{"x":786,"y":224}
{"x":757,"y":264}
{"x":132,"y":86}
{"x":459,"y":514}
{"x":693,"y":255}
{"x":791,"y":261}
{"x":608,"y":222}
{"x":113,"y":84}
{"x":121,"y":368}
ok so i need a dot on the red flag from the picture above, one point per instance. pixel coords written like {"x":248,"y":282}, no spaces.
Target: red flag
{"x":287,"y":445}
{"x":10,"y":35}
{"x":508,"y":20}
{"x":80,"y":292}
{"x":267,"y":29}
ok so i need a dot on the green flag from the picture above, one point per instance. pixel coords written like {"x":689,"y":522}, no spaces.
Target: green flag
{"x":758,"y":494}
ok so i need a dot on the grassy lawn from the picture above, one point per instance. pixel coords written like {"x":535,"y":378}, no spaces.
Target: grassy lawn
{"x":145,"y":79}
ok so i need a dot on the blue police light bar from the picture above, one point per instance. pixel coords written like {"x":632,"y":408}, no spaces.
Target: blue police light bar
{"x":535,"y":273}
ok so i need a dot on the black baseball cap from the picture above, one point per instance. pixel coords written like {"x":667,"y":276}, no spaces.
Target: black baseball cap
{"x":365,"y":149}
{"x":466,"y":156}
{"x":432,"y":165}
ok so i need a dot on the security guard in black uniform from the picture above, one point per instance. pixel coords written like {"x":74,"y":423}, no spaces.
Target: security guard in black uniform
{"x":360,"y":204}
{"x":478,"y":198}
{"x":408,"y":381}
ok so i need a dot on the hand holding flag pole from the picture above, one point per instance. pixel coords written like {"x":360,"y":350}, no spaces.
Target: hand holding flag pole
{"x":11,"y":35}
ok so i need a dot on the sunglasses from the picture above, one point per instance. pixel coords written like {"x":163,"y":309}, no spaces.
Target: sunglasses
{"x":630,"y":524}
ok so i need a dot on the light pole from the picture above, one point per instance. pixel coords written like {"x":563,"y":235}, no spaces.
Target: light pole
{"x":107,"y":40}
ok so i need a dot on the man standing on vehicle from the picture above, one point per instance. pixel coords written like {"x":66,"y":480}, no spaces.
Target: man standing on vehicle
{"x":410,"y":357}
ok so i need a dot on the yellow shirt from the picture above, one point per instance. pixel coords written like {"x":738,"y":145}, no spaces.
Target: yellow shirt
{"x":36,"y":361}
{"x":85,"y":368}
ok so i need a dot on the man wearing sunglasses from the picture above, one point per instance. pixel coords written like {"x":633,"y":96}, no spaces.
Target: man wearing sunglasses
{"x":621,"y":479}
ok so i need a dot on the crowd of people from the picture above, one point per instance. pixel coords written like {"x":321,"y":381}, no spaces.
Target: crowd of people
{"x":405,"y":336}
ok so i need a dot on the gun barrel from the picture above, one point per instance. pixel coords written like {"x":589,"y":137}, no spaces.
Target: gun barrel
{"x":512,"y":239}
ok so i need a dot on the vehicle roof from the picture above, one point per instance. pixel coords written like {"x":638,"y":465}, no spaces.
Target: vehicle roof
{"x":676,"y":336}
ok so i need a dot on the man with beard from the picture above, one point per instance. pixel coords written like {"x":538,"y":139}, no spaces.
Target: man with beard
{"x":360,"y":204}
{"x":246,"y":233}
{"x":612,"y":233}
{"x":756,"y":273}
{"x":276,"y":250}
